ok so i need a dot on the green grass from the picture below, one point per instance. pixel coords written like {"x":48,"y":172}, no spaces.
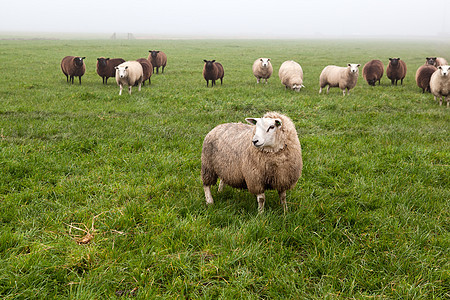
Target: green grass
{"x":369,"y":217}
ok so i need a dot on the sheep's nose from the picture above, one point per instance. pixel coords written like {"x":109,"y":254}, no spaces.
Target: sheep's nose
{"x":255,"y":142}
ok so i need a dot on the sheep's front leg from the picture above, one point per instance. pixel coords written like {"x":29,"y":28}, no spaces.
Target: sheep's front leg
{"x":282,"y":195}
{"x":139,"y":87}
{"x":121,"y":88}
{"x":221,"y":185}
{"x":129,"y":89}
{"x":261,"y":199}
{"x":208,"y":196}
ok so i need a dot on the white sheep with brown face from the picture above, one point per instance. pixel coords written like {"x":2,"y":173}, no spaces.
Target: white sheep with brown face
{"x":264,"y":155}
{"x":440,"y":84}
{"x":262,"y":69}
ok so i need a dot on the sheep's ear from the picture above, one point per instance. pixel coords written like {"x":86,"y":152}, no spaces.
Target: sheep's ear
{"x":399,"y":58}
{"x":157,"y":51}
{"x":98,"y":58}
{"x":260,"y":59}
{"x":359,"y":65}
{"x":390,"y":58}
{"x":252,"y":121}
{"x":278,"y":122}
{"x":213,"y":60}
{"x":107,"y":58}
{"x":149,"y":50}
{"x":205,"y":60}
{"x":84,"y":57}
{"x":268,"y":59}
{"x":348,"y":65}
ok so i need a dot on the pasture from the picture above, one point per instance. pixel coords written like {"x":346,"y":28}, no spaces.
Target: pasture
{"x":101,"y":197}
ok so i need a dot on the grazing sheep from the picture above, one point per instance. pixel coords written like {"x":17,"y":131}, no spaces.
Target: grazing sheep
{"x":423,"y":76}
{"x":129,"y":73}
{"x":212,"y":70}
{"x":261,"y":157}
{"x":157,"y":59}
{"x":396,"y":70}
{"x":73,"y":66}
{"x":440,"y":84}
{"x":342,"y":77}
{"x":106,"y":67}
{"x":262,"y":68}
{"x":373,"y":71}
{"x":436,"y":61}
{"x":147,"y":69}
{"x":291,"y":75}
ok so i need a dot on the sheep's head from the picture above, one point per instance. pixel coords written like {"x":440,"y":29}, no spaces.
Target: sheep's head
{"x":353,"y":67}
{"x":267,"y":135}
{"x":102,"y":61}
{"x":122,"y":71}
{"x":394,"y":61}
{"x":154,"y":53}
{"x":78,"y":61}
{"x":265,"y":62}
{"x":209,"y":64}
{"x":445,"y":70}
{"x":431,"y":61}
{"x":296,"y":87}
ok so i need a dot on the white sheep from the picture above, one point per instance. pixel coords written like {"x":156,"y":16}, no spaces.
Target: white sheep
{"x":291,"y":75}
{"x":440,"y":84}
{"x":440,"y":61}
{"x":261,"y":157}
{"x":342,"y":77}
{"x":262,"y":68}
{"x":129,"y":73}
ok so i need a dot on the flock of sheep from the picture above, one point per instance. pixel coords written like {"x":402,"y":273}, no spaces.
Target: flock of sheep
{"x":266,"y":153}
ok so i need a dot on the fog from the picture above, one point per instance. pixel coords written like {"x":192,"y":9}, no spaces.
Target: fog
{"x":231,"y":18}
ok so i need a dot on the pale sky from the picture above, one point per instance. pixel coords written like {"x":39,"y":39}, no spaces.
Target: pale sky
{"x":231,"y":18}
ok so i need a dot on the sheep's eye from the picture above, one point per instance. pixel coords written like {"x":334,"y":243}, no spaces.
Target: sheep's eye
{"x":270,"y":127}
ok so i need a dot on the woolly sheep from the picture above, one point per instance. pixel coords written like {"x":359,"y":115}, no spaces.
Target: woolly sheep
{"x":436,"y":61}
{"x":73,"y":66}
{"x":261,"y":156}
{"x":106,"y":67}
{"x":291,"y":75}
{"x":342,"y":77}
{"x":440,"y":84}
{"x":423,"y":76}
{"x":212,"y":70}
{"x":129,"y":73}
{"x":157,"y":59}
{"x":147,"y":69}
{"x":262,"y":68}
{"x":396,"y":70}
{"x":373,"y":71}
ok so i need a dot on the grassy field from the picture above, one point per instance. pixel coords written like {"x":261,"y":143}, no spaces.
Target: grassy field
{"x":101,"y":196}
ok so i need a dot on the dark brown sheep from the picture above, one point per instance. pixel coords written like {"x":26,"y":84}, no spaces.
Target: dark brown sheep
{"x":373,"y":71}
{"x":147,"y":69}
{"x":73,"y":66}
{"x":106,"y":67}
{"x":396,"y":70}
{"x":423,"y":76}
{"x":157,"y":59}
{"x":212,"y":70}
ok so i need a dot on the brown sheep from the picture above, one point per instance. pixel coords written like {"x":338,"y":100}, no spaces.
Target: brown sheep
{"x":423,"y":76}
{"x":157,"y":59}
{"x":106,"y":67}
{"x":147,"y":69}
{"x":373,"y":71}
{"x":73,"y":66}
{"x":212,"y":70}
{"x":396,"y":70}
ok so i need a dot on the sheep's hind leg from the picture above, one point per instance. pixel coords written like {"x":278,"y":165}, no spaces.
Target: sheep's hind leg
{"x":261,"y":199}
{"x":208,"y":196}
{"x":282,"y":195}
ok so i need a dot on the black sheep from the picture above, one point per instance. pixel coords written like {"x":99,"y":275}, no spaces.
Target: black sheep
{"x":212,"y":70}
{"x":107,"y":67}
{"x":73,"y":66}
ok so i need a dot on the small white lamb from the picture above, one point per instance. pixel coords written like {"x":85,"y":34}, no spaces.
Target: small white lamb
{"x":342,"y":77}
{"x":129,"y":73}
{"x":262,"y":68}
{"x":291,"y":75}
